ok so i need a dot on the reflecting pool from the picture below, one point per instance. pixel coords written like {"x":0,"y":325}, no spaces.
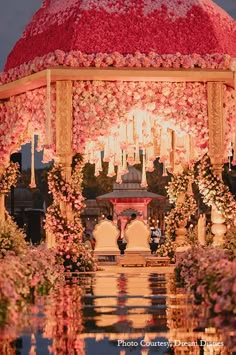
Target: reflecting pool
{"x":129,"y":312}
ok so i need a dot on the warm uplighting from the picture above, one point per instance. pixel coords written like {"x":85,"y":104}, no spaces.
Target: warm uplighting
{"x":140,"y":138}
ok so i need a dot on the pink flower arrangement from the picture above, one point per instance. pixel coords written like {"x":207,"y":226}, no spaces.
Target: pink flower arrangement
{"x":211,"y":276}
{"x":68,"y":232}
{"x":76,"y":58}
{"x":23,"y":278}
{"x":23,"y":115}
{"x":101,"y":105}
{"x":63,"y":190}
{"x":168,"y":34}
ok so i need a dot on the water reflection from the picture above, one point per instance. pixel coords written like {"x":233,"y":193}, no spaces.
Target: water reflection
{"x":106,"y":313}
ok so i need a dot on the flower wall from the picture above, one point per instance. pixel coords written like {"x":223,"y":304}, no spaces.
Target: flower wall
{"x":102,"y":108}
{"x":20,"y":117}
{"x":100,"y":104}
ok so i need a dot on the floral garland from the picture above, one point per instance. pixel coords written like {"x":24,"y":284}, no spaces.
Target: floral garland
{"x":63,"y":190}
{"x":9,"y":178}
{"x":179,"y":183}
{"x":100,"y":60}
{"x":185,"y":204}
{"x":214,"y":191}
{"x":68,"y":233}
{"x":181,"y":213}
{"x":64,"y":230}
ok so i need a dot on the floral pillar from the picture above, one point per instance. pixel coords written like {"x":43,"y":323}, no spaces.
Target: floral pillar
{"x":63,"y":144}
{"x":216,"y":151}
{"x":64,"y":134}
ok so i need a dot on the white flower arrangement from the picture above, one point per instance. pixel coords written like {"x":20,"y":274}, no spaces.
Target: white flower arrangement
{"x":180,"y":213}
{"x":185,"y":204}
{"x":179,"y":183}
{"x":214,"y":191}
{"x":167,"y":249}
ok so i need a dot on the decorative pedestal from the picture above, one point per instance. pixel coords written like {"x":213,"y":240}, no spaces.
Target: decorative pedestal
{"x":218,"y":227}
{"x":181,"y":234}
{"x":181,"y":240}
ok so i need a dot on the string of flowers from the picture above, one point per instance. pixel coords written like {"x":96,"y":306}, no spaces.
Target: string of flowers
{"x":179,"y":183}
{"x":9,"y":178}
{"x":214,"y":191}
{"x":63,"y":190}
{"x":180,"y":213}
{"x":68,"y":233}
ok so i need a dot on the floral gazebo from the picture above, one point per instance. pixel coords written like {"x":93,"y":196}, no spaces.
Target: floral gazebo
{"x":122,"y":77}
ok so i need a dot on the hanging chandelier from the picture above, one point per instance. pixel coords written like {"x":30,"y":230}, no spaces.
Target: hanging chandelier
{"x":140,"y":140}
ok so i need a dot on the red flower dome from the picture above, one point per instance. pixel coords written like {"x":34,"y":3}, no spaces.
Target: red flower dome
{"x":126,"y":26}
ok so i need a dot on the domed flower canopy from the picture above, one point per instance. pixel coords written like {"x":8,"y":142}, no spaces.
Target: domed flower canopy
{"x":138,"y":82}
{"x":132,"y":33}
{"x":123,"y":82}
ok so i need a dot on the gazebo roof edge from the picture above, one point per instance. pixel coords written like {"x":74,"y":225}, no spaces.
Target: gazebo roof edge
{"x":60,"y":73}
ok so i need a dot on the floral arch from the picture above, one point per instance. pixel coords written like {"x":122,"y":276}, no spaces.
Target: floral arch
{"x":102,"y":96}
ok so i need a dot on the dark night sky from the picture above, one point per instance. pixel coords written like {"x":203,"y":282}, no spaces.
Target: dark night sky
{"x":14,"y":16}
